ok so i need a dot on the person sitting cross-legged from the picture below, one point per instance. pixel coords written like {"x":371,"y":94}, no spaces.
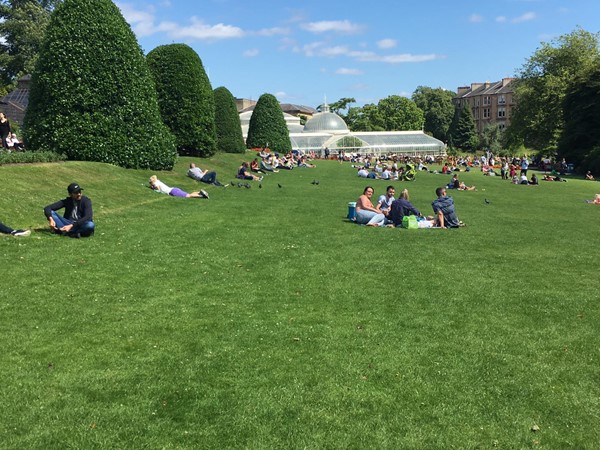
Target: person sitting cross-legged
{"x":77,"y":219}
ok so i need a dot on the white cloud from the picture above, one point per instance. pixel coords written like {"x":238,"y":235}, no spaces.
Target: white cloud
{"x":397,"y":59}
{"x":251,"y":53}
{"x":318,"y":49}
{"x":501,"y":19}
{"x":528,"y":16}
{"x":272,"y":31}
{"x":338,"y":26}
{"x":281,"y":95}
{"x":202,"y":31}
{"x":143,"y":23}
{"x":386,"y":43}
{"x":475,"y":18}
{"x":346,"y":71}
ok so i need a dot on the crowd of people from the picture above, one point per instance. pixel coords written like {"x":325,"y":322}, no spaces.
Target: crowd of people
{"x":77,"y":218}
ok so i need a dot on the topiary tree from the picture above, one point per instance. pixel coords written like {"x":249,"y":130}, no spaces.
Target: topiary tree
{"x":267,"y":126}
{"x":92,"y":96}
{"x":227,"y":121}
{"x":185,"y":98}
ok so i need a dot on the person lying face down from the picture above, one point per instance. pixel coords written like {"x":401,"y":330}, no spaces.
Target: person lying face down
{"x":159,"y":186}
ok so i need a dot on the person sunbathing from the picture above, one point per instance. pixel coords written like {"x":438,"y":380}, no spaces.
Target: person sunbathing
{"x":159,"y":186}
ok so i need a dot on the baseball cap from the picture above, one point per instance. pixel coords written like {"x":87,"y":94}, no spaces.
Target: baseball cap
{"x":74,"y":188}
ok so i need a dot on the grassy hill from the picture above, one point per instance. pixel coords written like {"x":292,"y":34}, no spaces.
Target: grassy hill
{"x":261,"y":318}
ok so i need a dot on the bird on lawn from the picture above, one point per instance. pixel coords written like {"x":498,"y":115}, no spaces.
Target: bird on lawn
{"x":487,"y":201}
{"x":247,"y":186}
{"x":239,"y":184}
{"x":260,"y":186}
{"x":313,"y":182}
{"x":280,"y":186}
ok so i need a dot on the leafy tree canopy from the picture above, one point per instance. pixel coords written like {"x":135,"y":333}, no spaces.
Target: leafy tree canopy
{"x":437,"y":106}
{"x":22,"y":28}
{"x":580,"y":140}
{"x":537,"y":120}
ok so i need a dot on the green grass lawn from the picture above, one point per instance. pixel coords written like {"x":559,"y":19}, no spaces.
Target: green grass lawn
{"x":262,"y":319}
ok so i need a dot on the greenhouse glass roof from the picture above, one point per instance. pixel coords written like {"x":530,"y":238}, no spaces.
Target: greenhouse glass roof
{"x":412,"y":142}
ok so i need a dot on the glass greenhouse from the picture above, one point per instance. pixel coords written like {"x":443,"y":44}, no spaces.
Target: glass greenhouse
{"x":328,"y":130}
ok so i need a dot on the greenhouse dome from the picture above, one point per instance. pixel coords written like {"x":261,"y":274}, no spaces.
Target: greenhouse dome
{"x":326,"y":121}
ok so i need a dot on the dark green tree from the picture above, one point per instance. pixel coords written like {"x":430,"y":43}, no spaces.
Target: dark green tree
{"x":491,"y":138}
{"x":22,"y":27}
{"x":92,"y":96}
{"x":580,"y":140}
{"x":366,"y":118}
{"x":341,"y":105}
{"x":227,"y":120}
{"x":464,"y":134}
{"x":438,"y":108}
{"x":267,"y":126}
{"x":537,"y":120}
{"x":185,"y":98}
{"x":400,"y":114}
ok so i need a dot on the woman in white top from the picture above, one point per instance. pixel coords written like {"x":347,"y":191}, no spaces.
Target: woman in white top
{"x":157,"y":185}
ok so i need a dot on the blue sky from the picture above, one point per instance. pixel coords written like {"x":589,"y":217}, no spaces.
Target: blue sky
{"x":305,"y":51}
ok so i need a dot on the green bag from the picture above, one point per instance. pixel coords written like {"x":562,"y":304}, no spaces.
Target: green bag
{"x":410,"y":222}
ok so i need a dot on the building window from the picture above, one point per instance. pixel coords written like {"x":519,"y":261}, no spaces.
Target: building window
{"x":501,"y":100}
{"x":476,"y":102}
{"x":486,"y":113}
{"x":487,"y":100}
{"x":501,"y":126}
{"x":501,"y":113}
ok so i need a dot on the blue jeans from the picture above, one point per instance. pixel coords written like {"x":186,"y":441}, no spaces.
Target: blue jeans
{"x":370,"y":218}
{"x":84,"y":229}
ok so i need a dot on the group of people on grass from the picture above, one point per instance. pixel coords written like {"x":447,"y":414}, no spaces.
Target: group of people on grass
{"x":390,"y":211}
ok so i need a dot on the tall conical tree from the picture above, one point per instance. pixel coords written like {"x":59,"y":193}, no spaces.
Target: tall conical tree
{"x":92,"y":96}
{"x":227,"y":121}
{"x":464,"y":135}
{"x":185,"y":98}
{"x":267,"y":126}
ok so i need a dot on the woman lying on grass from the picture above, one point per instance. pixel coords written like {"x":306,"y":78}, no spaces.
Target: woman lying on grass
{"x":159,"y":186}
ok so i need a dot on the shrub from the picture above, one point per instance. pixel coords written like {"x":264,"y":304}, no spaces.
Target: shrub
{"x":185,"y":98}
{"x":92,"y":96}
{"x":30,"y":157}
{"x":267,"y":126}
{"x":227,"y":121}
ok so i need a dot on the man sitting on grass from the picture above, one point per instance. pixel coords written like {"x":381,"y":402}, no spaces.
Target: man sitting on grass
{"x":77,"y":219}
{"x":443,"y":208}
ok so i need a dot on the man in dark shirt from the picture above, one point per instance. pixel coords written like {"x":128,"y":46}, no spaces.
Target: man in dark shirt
{"x":77,"y":219}
{"x":443,"y":208}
